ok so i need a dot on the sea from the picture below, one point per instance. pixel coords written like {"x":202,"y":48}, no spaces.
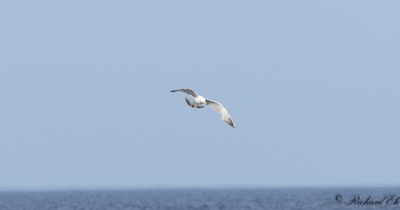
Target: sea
{"x":205,"y":199}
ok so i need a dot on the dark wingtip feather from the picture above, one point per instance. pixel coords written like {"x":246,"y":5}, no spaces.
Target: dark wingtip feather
{"x":230,"y":122}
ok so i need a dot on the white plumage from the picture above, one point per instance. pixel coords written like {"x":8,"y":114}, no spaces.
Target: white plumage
{"x":197,"y":101}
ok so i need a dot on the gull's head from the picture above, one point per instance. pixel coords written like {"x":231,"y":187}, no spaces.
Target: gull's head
{"x":190,"y":101}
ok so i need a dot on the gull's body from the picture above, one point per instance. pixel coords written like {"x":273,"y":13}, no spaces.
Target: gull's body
{"x":198,"y":101}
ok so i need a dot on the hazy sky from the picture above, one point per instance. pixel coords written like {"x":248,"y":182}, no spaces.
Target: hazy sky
{"x":313,"y":86}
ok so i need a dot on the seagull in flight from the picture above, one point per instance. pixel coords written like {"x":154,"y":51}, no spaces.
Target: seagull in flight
{"x":197,"y":101}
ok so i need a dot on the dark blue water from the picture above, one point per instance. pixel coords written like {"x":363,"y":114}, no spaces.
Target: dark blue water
{"x":228,"y":199}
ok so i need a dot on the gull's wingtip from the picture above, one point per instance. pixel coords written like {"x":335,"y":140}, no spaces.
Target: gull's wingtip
{"x":230,"y":122}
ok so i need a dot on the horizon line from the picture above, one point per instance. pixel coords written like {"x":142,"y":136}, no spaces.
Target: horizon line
{"x":189,"y":187}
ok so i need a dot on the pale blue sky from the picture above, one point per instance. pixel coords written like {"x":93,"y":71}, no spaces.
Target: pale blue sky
{"x":312,"y":85}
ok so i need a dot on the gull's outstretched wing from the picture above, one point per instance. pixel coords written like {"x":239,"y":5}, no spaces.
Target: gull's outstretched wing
{"x":221,"y":109}
{"x":187,"y":91}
